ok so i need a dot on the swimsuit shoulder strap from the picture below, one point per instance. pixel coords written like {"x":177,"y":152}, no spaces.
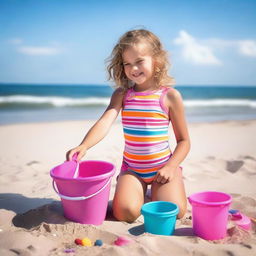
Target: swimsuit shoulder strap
{"x":165,"y":90}
{"x":127,"y":94}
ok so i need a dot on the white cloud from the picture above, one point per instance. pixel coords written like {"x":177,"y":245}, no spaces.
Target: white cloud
{"x":243,"y":47}
{"x":194,"y":51}
{"x":35,"y":50}
{"x":15,"y":41}
{"x":247,"y":47}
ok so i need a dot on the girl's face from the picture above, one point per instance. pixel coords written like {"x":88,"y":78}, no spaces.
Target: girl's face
{"x":139,"y":64}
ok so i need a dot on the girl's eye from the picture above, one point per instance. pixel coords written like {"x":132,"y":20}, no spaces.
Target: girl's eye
{"x":126,"y":64}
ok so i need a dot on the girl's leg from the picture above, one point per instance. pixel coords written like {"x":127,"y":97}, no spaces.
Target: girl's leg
{"x":173,"y":191}
{"x":129,"y":197}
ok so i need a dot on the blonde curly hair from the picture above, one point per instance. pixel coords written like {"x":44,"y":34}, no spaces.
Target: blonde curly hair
{"x":115,"y":67}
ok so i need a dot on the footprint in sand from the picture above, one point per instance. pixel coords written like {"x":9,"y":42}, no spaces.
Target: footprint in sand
{"x":32,"y":163}
{"x":20,"y":242}
{"x":234,"y":166}
{"x":50,"y":213}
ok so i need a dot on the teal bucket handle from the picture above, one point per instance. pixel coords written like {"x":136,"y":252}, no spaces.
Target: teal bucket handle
{"x":79,"y":198}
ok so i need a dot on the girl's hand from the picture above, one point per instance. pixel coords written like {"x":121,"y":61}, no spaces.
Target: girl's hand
{"x":81,"y":150}
{"x":165,"y":174}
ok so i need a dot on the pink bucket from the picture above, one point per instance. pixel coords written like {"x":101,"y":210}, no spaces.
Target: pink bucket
{"x":210,"y":214}
{"x":84,"y":198}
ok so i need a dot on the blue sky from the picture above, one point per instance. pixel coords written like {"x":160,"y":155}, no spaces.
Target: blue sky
{"x":67,"y":41}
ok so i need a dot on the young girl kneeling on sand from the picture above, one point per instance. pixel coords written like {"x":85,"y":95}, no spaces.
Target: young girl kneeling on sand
{"x":139,"y":65}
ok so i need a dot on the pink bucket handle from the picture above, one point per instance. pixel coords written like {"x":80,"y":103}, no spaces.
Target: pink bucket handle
{"x":79,"y":197}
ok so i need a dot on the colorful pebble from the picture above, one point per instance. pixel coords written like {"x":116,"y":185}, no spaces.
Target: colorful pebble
{"x":121,"y":240}
{"x":78,"y":241}
{"x":86,"y":242}
{"x":98,"y":242}
{"x":232,"y":211}
{"x":69,"y":250}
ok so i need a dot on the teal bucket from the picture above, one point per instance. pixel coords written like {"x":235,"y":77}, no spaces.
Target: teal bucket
{"x":160,"y":217}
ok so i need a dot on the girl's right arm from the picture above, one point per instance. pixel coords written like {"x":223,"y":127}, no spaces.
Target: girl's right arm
{"x":100,"y":129}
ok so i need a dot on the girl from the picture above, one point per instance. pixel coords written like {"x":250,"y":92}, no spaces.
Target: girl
{"x":139,"y":65}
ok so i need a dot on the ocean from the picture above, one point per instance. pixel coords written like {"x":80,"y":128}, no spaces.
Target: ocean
{"x":23,"y":103}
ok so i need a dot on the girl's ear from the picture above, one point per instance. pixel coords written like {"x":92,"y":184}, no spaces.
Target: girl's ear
{"x":157,"y":65}
{"x":156,"y":68}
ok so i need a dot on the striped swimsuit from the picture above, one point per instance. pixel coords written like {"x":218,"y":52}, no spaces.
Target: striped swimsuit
{"x":145,"y":124}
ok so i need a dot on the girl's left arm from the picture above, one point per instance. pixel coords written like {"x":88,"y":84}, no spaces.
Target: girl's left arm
{"x":174,"y":102}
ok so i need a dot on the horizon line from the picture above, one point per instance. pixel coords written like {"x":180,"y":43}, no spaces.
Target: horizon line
{"x":109,"y":85}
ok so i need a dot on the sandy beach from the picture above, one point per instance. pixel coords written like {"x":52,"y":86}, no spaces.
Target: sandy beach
{"x":222,"y":158}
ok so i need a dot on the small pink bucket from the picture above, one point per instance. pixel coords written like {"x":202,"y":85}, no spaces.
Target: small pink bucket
{"x":84,"y":198}
{"x":210,"y":214}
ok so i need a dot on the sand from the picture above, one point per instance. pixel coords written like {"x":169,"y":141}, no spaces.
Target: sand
{"x":222,"y":158}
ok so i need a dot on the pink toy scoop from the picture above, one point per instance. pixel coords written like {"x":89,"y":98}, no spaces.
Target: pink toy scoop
{"x":240,"y":219}
{"x":74,"y":158}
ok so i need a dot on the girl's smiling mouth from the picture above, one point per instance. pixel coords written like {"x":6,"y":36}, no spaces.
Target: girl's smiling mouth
{"x":137,"y":75}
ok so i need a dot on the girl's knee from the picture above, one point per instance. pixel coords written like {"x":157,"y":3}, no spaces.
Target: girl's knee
{"x":182,"y":211}
{"x":126,"y":213}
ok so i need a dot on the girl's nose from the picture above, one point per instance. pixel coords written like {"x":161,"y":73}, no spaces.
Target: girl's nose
{"x":134,"y":67}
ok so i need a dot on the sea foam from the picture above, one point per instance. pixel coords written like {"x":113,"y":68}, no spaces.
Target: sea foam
{"x":104,"y":101}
